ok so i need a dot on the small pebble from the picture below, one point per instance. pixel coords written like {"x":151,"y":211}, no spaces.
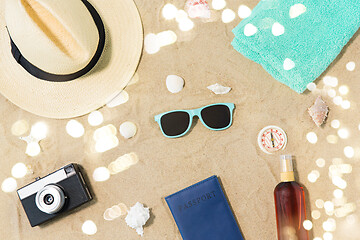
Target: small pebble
{"x":174,"y":83}
{"x":128,"y":129}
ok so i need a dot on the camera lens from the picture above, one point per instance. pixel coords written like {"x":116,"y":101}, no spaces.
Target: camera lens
{"x":48,"y":199}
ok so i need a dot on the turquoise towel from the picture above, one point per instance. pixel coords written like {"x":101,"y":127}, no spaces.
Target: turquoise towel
{"x":295,"y":41}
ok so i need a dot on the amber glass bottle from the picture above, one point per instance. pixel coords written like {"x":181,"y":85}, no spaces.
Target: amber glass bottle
{"x":290,"y":204}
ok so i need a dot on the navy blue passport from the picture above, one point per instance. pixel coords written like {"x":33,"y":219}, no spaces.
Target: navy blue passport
{"x":201,"y":212}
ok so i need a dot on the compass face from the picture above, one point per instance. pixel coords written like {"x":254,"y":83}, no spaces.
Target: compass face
{"x":272,"y":139}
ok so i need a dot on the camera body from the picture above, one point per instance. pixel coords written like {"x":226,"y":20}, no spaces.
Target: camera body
{"x":54,"y":194}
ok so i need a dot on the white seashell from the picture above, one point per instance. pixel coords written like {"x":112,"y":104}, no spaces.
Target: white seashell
{"x":137,"y":217}
{"x":219,"y":89}
{"x":119,"y":99}
{"x":318,"y":111}
{"x":296,"y":10}
{"x":128,"y":129}
{"x":174,"y":83}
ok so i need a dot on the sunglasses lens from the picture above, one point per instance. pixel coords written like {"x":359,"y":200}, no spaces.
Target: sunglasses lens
{"x":217,"y":116}
{"x":175,"y":123}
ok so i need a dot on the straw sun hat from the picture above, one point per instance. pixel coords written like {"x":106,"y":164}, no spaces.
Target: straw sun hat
{"x":65,"y":58}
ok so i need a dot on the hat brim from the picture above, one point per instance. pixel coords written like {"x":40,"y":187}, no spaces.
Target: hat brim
{"x":117,"y":65}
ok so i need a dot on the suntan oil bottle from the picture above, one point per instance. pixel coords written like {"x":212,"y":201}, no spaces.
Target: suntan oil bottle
{"x":289,"y":204}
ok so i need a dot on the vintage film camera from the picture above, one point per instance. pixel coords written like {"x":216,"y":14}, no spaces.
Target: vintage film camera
{"x":50,"y":196}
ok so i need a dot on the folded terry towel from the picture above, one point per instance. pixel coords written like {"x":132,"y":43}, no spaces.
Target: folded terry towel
{"x":296,"y":40}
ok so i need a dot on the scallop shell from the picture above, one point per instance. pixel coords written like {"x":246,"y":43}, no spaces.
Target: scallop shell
{"x":128,"y":129}
{"x":319,"y":111}
{"x":174,"y":83}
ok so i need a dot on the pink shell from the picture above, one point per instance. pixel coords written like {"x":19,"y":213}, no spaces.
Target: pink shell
{"x":319,"y":111}
{"x":197,"y":9}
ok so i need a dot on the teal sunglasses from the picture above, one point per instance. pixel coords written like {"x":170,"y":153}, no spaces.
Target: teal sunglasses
{"x":177,"y":123}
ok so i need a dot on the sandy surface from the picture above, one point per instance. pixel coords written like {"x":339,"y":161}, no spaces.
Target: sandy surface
{"x":202,"y":56}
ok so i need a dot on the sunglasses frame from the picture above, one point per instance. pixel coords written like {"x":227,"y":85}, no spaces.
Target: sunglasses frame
{"x":196,"y":112}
